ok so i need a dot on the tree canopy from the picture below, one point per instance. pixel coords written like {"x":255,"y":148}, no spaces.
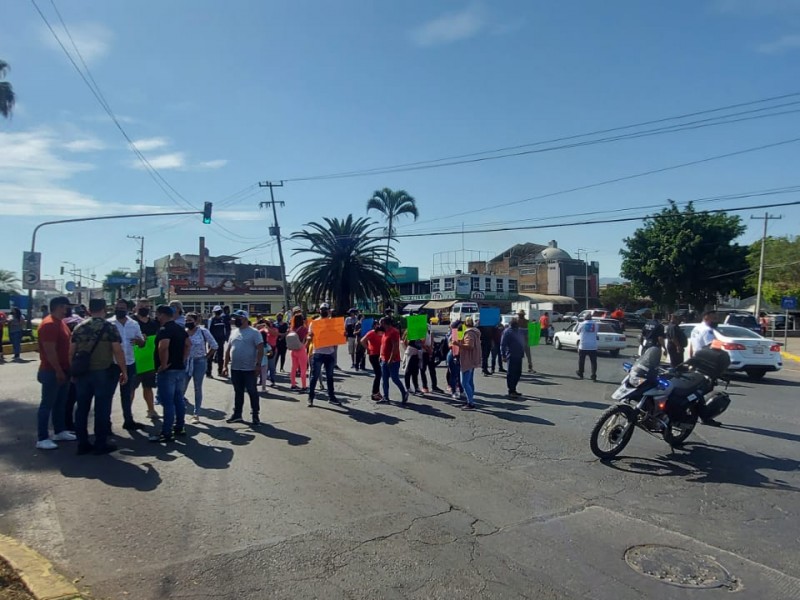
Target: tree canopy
{"x":7,"y":97}
{"x":9,"y":282}
{"x":392,"y":204}
{"x":685,"y":257}
{"x":618,"y":295}
{"x":781,"y":267}
{"x":344,"y":267}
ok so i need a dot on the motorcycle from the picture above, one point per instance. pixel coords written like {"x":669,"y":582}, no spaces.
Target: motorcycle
{"x":662,"y":401}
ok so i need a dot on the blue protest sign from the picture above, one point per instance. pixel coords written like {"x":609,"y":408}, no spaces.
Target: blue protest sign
{"x":489,"y":316}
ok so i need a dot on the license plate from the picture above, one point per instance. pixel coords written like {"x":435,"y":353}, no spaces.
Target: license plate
{"x":758,"y":350}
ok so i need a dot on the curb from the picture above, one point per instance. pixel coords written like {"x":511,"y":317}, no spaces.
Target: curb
{"x":36,"y":572}
{"x":790,"y":356}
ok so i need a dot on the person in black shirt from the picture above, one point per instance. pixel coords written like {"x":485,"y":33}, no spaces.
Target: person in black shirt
{"x":676,"y":341}
{"x":283,"y":329}
{"x":219,"y":330}
{"x":653,"y":334}
{"x":172,"y":350}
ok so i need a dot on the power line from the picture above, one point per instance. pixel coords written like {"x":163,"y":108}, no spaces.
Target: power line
{"x":471,"y":157}
{"x":627,"y":177}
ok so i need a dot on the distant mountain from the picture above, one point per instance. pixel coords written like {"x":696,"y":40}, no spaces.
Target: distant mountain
{"x":612,"y":280}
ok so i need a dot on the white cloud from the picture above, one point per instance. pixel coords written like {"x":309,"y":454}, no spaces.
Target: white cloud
{"x":92,"y":39}
{"x":146,"y":144}
{"x":451,"y":27}
{"x":33,"y":179}
{"x":85,"y":145}
{"x":213,"y":164}
{"x":782,"y":44}
{"x":173,"y":160}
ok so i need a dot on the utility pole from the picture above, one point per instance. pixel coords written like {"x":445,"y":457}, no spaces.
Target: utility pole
{"x":766,"y":218}
{"x":140,"y":261}
{"x":586,"y":271}
{"x":276,"y":231}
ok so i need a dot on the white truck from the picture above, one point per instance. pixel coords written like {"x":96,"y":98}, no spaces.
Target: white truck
{"x":531,"y":309}
{"x":462,"y":310}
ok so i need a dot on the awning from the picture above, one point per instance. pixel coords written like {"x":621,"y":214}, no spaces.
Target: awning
{"x":549,"y":298}
{"x":439,"y":304}
{"x":412,"y":307}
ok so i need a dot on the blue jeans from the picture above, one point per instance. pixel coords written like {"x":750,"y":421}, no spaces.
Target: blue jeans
{"x":391,"y":370}
{"x":199,"y":367}
{"x":317,"y":361}
{"x":15,"y":337}
{"x":54,"y":402}
{"x":468,"y":383}
{"x":271,"y":366}
{"x":171,"y":384}
{"x":100,"y":386}
{"x":126,"y":394}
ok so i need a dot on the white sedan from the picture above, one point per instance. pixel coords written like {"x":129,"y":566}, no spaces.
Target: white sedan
{"x":749,"y":352}
{"x":609,"y":340}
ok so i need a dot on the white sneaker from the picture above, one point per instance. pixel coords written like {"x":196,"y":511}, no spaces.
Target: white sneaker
{"x":65,"y":436}
{"x":46,"y":445}
{"x":195,"y":420}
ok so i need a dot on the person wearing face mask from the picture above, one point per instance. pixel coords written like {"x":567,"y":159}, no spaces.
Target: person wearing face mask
{"x":322,"y":356}
{"x":243,"y":362}
{"x":149,"y":327}
{"x":219,"y":328}
{"x":203,"y":348}
{"x":130,"y":334}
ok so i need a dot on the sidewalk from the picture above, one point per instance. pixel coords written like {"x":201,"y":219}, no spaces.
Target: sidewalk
{"x":791,"y":351}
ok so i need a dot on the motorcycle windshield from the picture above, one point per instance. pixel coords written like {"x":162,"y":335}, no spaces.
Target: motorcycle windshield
{"x":648,"y":361}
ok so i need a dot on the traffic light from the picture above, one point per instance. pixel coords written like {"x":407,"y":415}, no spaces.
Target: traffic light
{"x":62,"y":270}
{"x":207,"y":213}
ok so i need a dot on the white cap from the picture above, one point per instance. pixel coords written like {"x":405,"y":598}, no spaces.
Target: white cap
{"x":217,"y":308}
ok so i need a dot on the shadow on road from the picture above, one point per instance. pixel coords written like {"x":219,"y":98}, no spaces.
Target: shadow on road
{"x":583,"y":404}
{"x":293,"y":439}
{"x":782,"y":435}
{"x":703,"y":463}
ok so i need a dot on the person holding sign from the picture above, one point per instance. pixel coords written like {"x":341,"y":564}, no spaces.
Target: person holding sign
{"x":470,"y":358}
{"x":324,"y":339}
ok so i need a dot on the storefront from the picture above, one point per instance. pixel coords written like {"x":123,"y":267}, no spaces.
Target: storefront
{"x":256,"y":300}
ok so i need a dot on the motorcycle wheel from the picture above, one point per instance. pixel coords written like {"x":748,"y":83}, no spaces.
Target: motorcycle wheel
{"x":613,"y":431}
{"x":677,"y":433}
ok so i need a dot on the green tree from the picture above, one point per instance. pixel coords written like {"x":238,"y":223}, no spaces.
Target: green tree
{"x":344,"y":266}
{"x":7,"y":97}
{"x":9,"y":282}
{"x":120,"y":290}
{"x":685,"y":257}
{"x":392,"y":204}
{"x":781,"y":267}
{"x":620,"y":295}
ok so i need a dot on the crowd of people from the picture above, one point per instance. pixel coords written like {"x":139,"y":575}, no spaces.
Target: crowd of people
{"x":87,"y":356}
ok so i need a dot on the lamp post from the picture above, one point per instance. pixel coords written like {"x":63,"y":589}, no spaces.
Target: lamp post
{"x":586,"y":271}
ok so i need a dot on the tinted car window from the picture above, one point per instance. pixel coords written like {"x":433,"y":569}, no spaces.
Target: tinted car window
{"x":742,"y":320}
{"x":737,"y":332}
{"x":607,"y":328}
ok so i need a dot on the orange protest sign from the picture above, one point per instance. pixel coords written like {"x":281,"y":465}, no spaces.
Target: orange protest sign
{"x":328,"y":332}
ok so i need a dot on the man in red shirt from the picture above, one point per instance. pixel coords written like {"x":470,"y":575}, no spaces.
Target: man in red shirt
{"x":390,"y":360}
{"x":54,"y":343}
{"x":372,"y":342}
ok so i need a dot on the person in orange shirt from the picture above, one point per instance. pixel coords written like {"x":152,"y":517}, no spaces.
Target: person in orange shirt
{"x":390,"y":360}
{"x":544,"y":324}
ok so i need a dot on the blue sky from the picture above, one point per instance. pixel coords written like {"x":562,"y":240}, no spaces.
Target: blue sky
{"x":221,"y":95}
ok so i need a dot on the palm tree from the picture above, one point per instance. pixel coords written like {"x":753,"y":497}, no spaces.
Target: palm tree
{"x":393,"y":205}
{"x":344,"y":266}
{"x":7,"y":97}
{"x":8,"y":281}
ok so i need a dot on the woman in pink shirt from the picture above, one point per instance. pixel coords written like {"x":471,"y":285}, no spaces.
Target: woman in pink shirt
{"x":299,"y":355}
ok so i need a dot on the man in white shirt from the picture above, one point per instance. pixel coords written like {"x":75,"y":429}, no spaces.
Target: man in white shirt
{"x":703,"y":334}
{"x":587,"y":346}
{"x":130,"y":333}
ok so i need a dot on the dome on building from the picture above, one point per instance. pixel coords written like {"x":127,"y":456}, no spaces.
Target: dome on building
{"x":553,"y":252}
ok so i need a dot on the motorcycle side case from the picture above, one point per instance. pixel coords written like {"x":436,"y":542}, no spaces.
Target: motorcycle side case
{"x":714,"y":406}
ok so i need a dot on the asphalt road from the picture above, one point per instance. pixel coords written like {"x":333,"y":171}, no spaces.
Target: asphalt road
{"x":426,"y":501}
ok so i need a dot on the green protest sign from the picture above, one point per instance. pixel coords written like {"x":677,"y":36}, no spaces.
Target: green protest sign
{"x":145,"y":356}
{"x":417,"y":327}
{"x":534,"y":333}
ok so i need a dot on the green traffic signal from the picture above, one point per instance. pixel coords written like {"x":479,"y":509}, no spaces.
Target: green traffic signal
{"x":207,"y":213}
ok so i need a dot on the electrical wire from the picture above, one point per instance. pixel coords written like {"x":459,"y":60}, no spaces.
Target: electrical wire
{"x":465,"y":158}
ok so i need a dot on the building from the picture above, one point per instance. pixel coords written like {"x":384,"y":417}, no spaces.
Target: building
{"x":442,"y":291}
{"x":201,"y":281}
{"x":545,"y":273}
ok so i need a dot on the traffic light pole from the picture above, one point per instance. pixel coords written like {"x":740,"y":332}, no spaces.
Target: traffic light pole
{"x":40,"y":225}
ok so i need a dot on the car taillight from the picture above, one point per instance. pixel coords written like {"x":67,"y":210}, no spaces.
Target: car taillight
{"x":775,"y":348}
{"x":733,"y":346}
{"x":622,"y":338}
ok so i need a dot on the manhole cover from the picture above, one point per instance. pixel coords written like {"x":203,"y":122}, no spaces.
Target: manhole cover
{"x":678,"y":567}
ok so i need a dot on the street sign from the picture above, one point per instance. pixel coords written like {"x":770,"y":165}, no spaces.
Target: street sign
{"x":122,"y":281}
{"x":31,"y":269}
{"x":70,"y":286}
{"x":789,"y":303}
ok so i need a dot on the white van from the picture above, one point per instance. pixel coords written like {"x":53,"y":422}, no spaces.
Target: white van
{"x":462,"y":310}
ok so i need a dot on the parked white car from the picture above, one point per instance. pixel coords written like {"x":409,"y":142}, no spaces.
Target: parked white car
{"x":749,"y":352}
{"x":609,"y":340}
